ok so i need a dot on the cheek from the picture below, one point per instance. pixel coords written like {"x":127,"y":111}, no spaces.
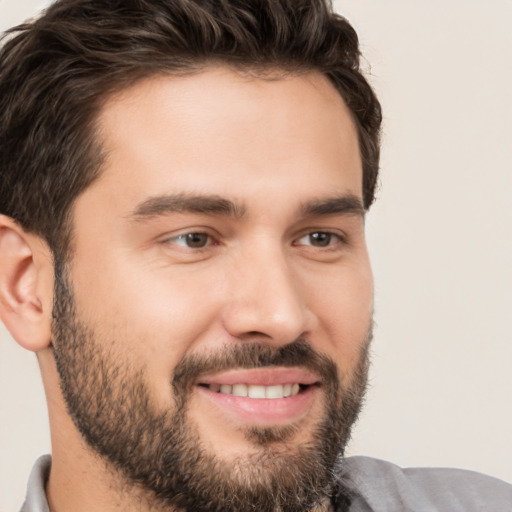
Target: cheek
{"x":344,"y":308}
{"x":153,"y":318}
{"x":144,"y":293}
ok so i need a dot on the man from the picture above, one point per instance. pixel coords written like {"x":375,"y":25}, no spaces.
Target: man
{"x":183,"y":192}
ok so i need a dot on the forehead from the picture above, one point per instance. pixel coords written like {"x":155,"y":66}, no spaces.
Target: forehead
{"x":224,"y":132}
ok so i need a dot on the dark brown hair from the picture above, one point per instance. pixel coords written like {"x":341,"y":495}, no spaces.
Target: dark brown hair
{"x":56,"y":72}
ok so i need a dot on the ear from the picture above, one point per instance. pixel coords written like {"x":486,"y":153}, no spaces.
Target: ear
{"x":26,"y":285}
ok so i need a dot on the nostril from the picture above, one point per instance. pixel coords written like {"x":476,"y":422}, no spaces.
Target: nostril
{"x":256,"y":334}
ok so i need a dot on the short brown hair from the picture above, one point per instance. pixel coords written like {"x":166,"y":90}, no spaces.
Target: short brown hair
{"x":56,"y":72}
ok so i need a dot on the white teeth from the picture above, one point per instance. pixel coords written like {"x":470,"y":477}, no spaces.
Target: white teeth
{"x":274,"y":392}
{"x":254,"y":391}
{"x":239,"y":390}
{"x":226,"y":389}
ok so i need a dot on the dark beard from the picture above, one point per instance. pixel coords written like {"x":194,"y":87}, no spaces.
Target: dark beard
{"x":161,"y":452}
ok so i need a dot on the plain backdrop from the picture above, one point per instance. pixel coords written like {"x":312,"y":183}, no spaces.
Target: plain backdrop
{"x":440,"y":237}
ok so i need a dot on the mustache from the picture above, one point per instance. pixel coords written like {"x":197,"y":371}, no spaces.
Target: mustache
{"x":298,"y":353}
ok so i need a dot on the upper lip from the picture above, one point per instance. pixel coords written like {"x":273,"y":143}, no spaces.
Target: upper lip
{"x":271,"y":376}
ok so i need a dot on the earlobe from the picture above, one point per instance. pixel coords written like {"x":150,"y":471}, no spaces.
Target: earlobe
{"x":26,"y":285}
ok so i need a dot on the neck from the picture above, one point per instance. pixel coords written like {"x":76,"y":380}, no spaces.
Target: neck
{"x":95,"y":487}
{"x":80,"y":480}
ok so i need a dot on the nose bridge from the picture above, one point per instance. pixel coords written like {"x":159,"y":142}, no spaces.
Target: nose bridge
{"x":265,"y":296}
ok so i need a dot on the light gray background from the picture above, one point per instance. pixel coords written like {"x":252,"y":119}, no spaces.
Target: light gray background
{"x":440,"y":237}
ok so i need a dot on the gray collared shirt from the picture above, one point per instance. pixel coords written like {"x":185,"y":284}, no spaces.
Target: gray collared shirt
{"x":36,"y":496}
{"x":375,"y":486}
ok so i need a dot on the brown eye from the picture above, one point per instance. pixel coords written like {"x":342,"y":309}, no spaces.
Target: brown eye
{"x":319,"y":239}
{"x":191,"y":240}
{"x":196,"y":240}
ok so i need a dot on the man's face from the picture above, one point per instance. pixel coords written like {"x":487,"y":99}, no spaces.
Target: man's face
{"x":219,"y":293}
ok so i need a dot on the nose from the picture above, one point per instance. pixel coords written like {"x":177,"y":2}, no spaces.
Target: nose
{"x":266,"y":301}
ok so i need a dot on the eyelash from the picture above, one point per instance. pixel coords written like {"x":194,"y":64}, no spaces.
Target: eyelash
{"x":209,"y":240}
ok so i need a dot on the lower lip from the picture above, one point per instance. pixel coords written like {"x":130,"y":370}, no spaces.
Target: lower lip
{"x":263,"y":411}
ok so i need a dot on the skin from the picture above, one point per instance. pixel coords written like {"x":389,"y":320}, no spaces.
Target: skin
{"x":267,"y":146}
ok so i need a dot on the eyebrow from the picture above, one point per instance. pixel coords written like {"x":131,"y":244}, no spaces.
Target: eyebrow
{"x":215,"y":205}
{"x":347,"y":204}
{"x":178,"y":203}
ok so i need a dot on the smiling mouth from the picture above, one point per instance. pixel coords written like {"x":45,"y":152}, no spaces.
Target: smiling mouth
{"x":261,"y":396}
{"x":258,"y":391}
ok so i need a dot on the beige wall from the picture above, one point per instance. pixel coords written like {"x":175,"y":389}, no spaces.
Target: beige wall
{"x":440,"y":236}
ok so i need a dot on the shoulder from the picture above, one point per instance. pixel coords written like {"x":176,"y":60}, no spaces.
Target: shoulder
{"x":36,"y":497}
{"x":377,"y":485}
